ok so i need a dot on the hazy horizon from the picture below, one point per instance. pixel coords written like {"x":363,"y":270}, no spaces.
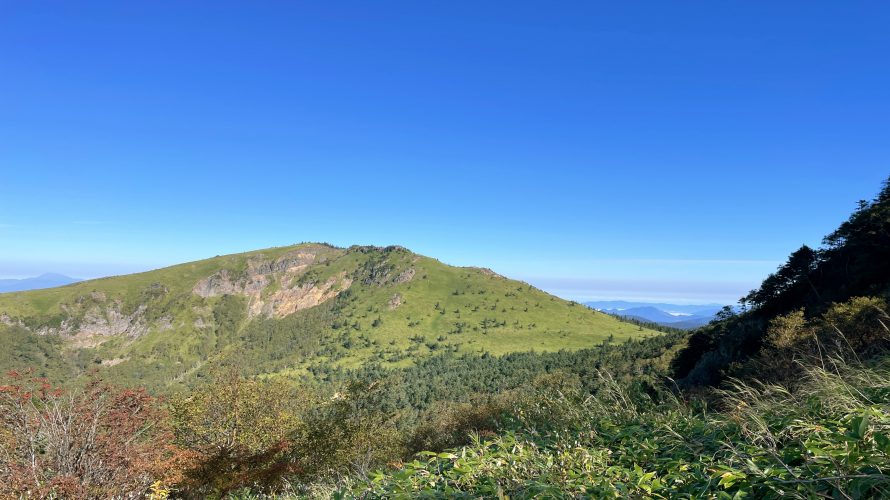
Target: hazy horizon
{"x":591,"y":288}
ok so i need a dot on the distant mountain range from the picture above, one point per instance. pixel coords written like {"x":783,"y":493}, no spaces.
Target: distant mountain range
{"x":47,"y":280}
{"x":673,"y":315}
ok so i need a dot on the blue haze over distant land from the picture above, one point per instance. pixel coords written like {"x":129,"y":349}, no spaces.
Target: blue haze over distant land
{"x":48,"y":280}
{"x":684,"y":316}
{"x":650,"y":151}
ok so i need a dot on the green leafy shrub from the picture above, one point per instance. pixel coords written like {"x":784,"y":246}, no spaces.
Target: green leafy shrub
{"x":238,"y":432}
{"x":829,"y":438}
{"x":352,"y":433}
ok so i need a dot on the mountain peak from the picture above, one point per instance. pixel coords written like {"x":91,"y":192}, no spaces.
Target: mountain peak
{"x":299,"y":308}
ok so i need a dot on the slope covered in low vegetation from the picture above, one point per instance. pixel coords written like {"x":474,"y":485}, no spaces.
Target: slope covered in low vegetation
{"x":789,"y":398}
{"x":293,"y":311}
{"x":823,"y":433}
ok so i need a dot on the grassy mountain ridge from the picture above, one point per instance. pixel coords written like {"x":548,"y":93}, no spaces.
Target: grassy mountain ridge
{"x":285,"y":310}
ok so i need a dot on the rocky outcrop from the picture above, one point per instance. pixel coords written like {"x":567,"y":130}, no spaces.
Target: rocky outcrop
{"x":286,"y":300}
{"x":165,"y":323}
{"x":382,"y":273}
{"x":395,"y":301}
{"x":8,"y":320}
{"x":406,"y":275}
{"x":114,"y":361}
{"x":110,"y":321}
{"x":90,"y":323}
{"x":291,"y":294}
{"x":101,"y":320}
{"x":486,"y":271}
{"x":256,"y":278}
{"x":287,"y":263}
{"x":219,"y":283}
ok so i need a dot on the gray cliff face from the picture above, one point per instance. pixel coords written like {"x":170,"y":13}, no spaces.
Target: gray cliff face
{"x":219,"y":283}
{"x":259,"y":275}
{"x":93,"y":316}
{"x":406,"y":275}
{"x":100,"y":321}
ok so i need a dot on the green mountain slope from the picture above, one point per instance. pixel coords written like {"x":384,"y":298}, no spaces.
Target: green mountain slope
{"x":289,"y":310}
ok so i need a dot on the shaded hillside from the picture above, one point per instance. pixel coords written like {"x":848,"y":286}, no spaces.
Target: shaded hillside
{"x":288,"y":310}
{"x":853,"y":262}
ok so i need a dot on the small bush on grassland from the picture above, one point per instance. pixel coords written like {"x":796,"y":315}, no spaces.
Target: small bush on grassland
{"x":93,"y":442}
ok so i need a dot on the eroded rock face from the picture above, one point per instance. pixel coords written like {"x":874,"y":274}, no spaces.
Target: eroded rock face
{"x":406,"y":275}
{"x":110,"y":321}
{"x":395,"y":301}
{"x":257,"y":277}
{"x":290,"y":296}
{"x":99,"y":322}
{"x":219,"y":283}
{"x":286,"y":301}
{"x":9,"y":321}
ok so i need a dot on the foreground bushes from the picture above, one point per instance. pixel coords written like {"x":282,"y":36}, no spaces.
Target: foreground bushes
{"x":830,"y":438}
{"x":237,"y":433}
{"x":819,"y":428}
{"x":92,"y":442}
{"x":270,"y":436}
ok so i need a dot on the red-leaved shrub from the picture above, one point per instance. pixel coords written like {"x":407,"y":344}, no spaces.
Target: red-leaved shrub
{"x":93,"y":442}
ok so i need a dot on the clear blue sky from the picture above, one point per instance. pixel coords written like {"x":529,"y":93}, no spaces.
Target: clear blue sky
{"x":665,"y":150}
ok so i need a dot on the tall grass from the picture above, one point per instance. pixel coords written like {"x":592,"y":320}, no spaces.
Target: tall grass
{"x":825,"y":437}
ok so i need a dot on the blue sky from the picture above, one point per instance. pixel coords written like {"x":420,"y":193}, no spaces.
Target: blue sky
{"x":635,"y":150}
